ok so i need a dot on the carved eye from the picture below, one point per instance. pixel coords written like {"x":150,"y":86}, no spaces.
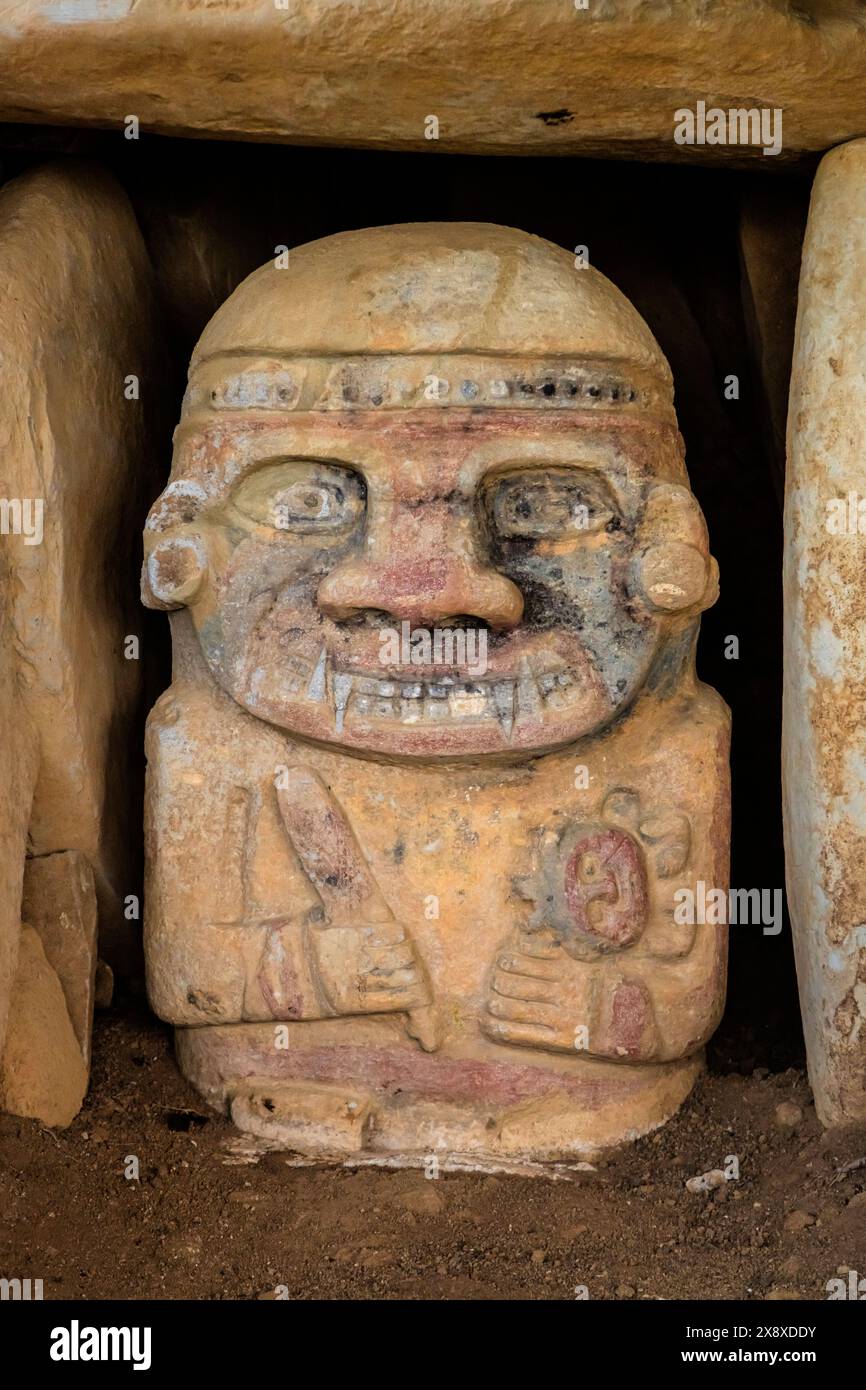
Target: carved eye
{"x":555,"y":502}
{"x":302,"y":496}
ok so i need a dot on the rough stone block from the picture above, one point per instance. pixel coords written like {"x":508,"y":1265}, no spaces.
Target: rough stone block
{"x":60,"y":904}
{"x":43,"y":1074}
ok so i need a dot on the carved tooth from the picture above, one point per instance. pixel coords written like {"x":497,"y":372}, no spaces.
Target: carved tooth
{"x":436,"y":710}
{"x":503,"y":698}
{"x":411,"y":692}
{"x":342,"y":687}
{"x":387,"y":689}
{"x":528,"y":699}
{"x":438,"y":692}
{"x":467,"y":703}
{"x":317,"y":689}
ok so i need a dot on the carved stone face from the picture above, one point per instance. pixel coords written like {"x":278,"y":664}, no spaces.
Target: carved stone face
{"x":529,"y":515}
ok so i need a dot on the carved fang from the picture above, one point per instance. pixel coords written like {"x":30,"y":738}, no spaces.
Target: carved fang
{"x":528,"y":697}
{"x":317,"y":688}
{"x":503,"y":699}
{"x":342,"y":688}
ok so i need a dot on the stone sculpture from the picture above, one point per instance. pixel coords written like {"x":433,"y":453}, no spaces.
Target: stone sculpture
{"x":435,"y":765}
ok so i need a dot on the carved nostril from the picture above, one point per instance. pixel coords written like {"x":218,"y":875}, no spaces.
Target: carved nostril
{"x":463,"y":594}
{"x":497,"y":601}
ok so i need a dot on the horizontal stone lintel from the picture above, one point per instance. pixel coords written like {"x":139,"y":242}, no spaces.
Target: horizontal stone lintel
{"x":515,"y":76}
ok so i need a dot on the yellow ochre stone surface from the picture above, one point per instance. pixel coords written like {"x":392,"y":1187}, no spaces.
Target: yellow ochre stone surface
{"x":514,"y":76}
{"x":435,"y":761}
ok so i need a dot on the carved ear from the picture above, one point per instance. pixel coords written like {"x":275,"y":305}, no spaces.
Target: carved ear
{"x":673,"y":568}
{"x":173,"y":572}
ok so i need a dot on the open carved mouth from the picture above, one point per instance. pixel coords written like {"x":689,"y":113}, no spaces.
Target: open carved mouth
{"x":546,"y":700}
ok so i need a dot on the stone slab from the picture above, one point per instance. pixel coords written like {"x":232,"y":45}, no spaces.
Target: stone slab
{"x":43,"y":1074}
{"x":824,"y":725}
{"x":520,"y":76}
{"x":60,"y":904}
{"x":77,"y":310}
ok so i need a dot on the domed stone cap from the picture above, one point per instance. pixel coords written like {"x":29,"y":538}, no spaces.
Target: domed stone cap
{"x":496,"y":315}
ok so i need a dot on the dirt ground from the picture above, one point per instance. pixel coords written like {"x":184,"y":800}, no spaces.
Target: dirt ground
{"x":203,"y":1223}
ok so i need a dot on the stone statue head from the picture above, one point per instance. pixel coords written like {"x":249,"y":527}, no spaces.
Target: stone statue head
{"x":428,"y":497}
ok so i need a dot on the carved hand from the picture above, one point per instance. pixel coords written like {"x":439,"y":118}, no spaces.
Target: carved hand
{"x":541,"y":997}
{"x":368,"y":969}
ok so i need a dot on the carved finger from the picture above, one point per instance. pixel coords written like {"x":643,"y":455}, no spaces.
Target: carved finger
{"x":385,"y":1001}
{"x":382,"y":958}
{"x":522,"y":1011}
{"x":531,"y":1035}
{"x":525,"y":987}
{"x":392,"y":979}
{"x":535,"y":968}
{"x":540,"y":945}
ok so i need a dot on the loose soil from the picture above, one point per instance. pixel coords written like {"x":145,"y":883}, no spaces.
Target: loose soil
{"x":203,"y":1223}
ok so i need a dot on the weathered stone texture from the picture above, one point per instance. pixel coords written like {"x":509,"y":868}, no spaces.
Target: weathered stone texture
{"x":18,"y":767}
{"x":825,"y":639}
{"x":43,"y":1075}
{"x":59,"y":902}
{"x":537,"y":76}
{"x":76,"y":463}
{"x":408,"y":904}
{"x":77,"y":314}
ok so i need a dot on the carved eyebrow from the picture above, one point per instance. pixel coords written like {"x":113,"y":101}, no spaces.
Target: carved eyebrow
{"x":595,"y":454}
{"x":541,"y":474}
{"x":275,"y":459}
{"x":552,"y":472}
{"x":251,"y":467}
{"x":596,"y":482}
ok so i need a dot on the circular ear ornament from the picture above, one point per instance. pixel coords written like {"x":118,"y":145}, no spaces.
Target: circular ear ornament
{"x":672,"y":576}
{"x":173,"y":572}
{"x":673,"y":568}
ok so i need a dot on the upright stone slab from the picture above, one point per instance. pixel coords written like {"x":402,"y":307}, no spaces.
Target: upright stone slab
{"x":76,"y":463}
{"x":19,"y":758}
{"x":435,"y":777}
{"x":59,"y":902}
{"x":43,"y":1074}
{"x":825,"y":638}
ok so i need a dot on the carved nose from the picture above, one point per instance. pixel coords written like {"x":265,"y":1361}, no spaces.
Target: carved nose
{"x":422,"y":590}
